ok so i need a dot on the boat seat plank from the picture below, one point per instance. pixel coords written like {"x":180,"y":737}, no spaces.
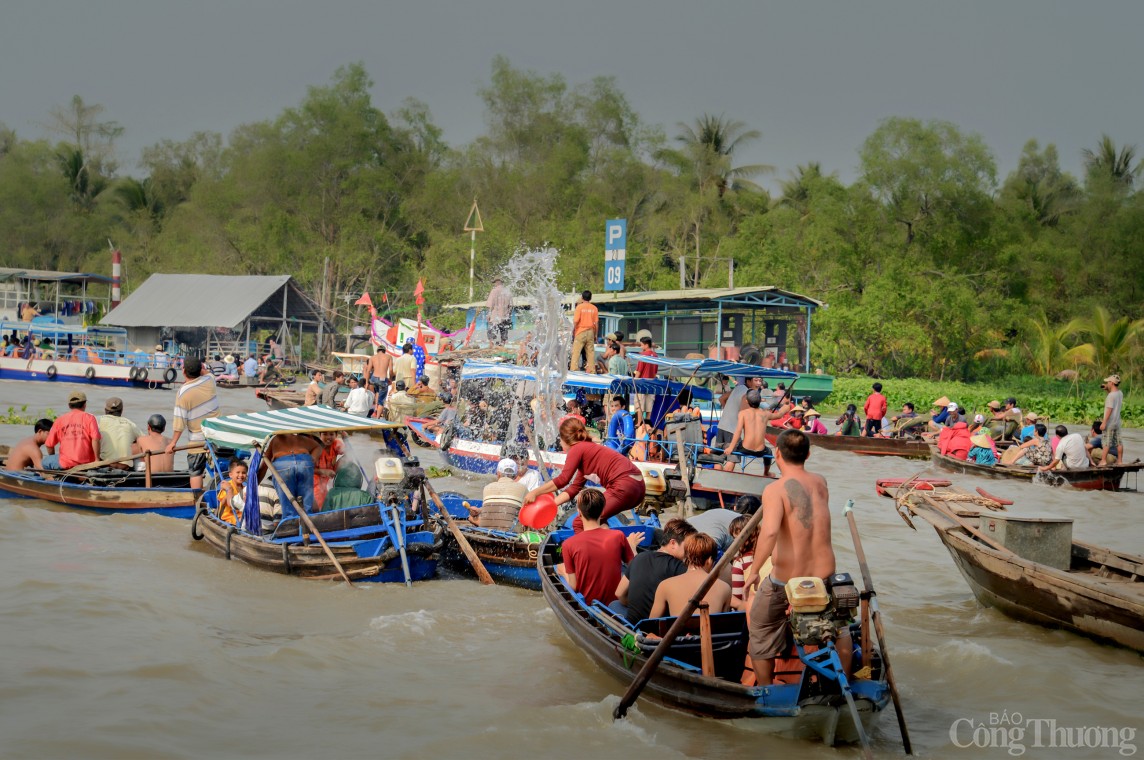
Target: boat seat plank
{"x":338,"y":535}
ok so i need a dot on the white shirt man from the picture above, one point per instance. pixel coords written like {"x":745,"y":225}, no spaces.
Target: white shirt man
{"x":359,"y":401}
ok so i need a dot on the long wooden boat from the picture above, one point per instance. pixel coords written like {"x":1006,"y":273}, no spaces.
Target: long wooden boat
{"x":811,"y":707}
{"x":909,"y":448}
{"x":106,"y":491}
{"x":367,"y":538}
{"x":281,"y":398}
{"x":1109,"y":478}
{"x":1037,"y":573}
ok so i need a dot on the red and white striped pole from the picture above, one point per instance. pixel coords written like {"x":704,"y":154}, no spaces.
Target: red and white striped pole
{"x":116,"y":272}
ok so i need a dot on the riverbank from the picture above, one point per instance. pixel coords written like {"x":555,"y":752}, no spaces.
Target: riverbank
{"x":1058,"y":400}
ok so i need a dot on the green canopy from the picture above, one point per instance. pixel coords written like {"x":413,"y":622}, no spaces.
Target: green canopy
{"x":244,"y":431}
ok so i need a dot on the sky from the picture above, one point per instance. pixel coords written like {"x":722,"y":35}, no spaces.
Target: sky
{"x":815,"y":78}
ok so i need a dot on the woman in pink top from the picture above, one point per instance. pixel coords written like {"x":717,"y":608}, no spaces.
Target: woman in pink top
{"x":622,"y":481}
{"x":813,"y":424}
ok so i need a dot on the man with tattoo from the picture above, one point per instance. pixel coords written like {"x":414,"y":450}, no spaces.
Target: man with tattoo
{"x":795,"y":535}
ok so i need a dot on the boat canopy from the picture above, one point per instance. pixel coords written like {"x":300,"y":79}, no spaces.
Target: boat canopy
{"x":717,"y":367}
{"x":244,"y":431}
{"x":592,"y":383}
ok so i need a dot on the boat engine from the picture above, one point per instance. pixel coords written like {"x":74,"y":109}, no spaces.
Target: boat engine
{"x":663,"y":487}
{"x":818,"y":614}
{"x":397,"y":479}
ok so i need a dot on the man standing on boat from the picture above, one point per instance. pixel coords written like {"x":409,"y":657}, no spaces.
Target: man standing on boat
{"x":1110,"y":425}
{"x":733,"y":402}
{"x":379,"y":371}
{"x":77,"y":435}
{"x":195,"y":401}
{"x":499,"y":305}
{"x":330,"y":392}
{"x":795,"y":536}
{"x":585,"y":325}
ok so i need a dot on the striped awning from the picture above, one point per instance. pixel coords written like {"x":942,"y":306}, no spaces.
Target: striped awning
{"x":574,"y":381}
{"x":717,"y":366}
{"x":243,"y":431}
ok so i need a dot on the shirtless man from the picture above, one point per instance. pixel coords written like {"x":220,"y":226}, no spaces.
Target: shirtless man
{"x":795,"y":535}
{"x":379,"y":370}
{"x":673,"y":594}
{"x":750,"y":437}
{"x":155,"y":442}
{"x":27,"y":452}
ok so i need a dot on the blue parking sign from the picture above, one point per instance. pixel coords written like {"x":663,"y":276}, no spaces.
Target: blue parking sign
{"x":615,"y":253}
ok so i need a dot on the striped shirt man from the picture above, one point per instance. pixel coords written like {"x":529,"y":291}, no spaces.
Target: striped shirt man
{"x":194,"y":402}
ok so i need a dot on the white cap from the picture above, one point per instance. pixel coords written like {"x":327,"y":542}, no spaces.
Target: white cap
{"x":953,"y":407}
{"x":979,"y":418}
{"x":507,"y":468}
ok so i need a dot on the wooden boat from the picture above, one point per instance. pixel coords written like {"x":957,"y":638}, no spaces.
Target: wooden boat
{"x":810,"y":707}
{"x":1032,"y":570}
{"x":106,"y":490}
{"x":281,"y":398}
{"x":367,"y":539}
{"x":1109,"y":478}
{"x":910,"y":448}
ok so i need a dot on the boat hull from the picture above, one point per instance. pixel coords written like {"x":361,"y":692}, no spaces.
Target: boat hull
{"x":1089,"y":479}
{"x":170,"y":502}
{"x":877,"y":447}
{"x":59,"y":371}
{"x":817,"y":387}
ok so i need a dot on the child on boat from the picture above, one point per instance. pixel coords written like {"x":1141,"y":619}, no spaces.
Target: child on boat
{"x":232,"y":493}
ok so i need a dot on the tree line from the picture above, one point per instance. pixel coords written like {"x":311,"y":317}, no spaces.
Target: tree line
{"x":931,"y":265}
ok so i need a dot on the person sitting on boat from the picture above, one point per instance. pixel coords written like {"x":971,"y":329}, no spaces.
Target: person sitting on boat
{"x":908,"y":421}
{"x":573,"y":412}
{"x":792,"y":420}
{"x":1095,"y":447}
{"x":814,"y":424}
{"x":76,"y":433}
{"x":330,"y":392}
{"x":1030,"y":426}
{"x":162,"y":359}
{"x":421,"y":391}
{"x":446,"y":418}
{"x":27,"y":452}
{"x":673,"y":594}
{"x":501,"y":500}
{"x":594,"y":556}
{"x":526,"y":476}
{"x":616,"y":361}
{"x":848,"y":423}
{"x":269,"y":507}
{"x":1012,"y":410}
{"x":938,"y":414}
{"x":326,"y":462}
{"x":642,"y":576}
{"x":154,"y":442}
{"x":622,"y":481}
{"x":28,"y":348}
{"x":314,"y":389}
{"x":216,"y":366}
{"x":400,"y":404}
{"x":1000,"y":425}
{"x":954,"y":441}
{"x":750,"y":436}
{"x":117,"y":434}
{"x":231,"y":493}
{"x":1034,"y":452}
{"x":359,"y":401}
{"x":8,"y":348}
{"x":1070,"y":453}
{"x":981,"y":452}
{"x":796,"y":531}
{"x":347,"y":490}
{"x":621,"y":429}
{"x":740,"y":594}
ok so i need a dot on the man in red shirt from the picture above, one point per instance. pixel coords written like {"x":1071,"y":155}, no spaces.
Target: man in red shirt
{"x":593,"y":558}
{"x":585,"y":325}
{"x":647,"y":371}
{"x":77,"y":435}
{"x":875,"y":410}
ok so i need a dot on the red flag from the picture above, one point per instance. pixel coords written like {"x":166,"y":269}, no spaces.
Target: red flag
{"x":385,"y":297}
{"x":472,"y":327}
{"x":365,"y":300}
{"x":417,"y":292}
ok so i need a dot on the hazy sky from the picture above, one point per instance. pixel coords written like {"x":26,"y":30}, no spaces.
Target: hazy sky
{"x":815,"y":78}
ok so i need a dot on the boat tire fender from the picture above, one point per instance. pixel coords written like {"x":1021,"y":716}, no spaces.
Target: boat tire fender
{"x":229,"y":532}
{"x":286,"y":559}
{"x":90,"y":373}
{"x":141,"y":374}
{"x":169,"y":375}
{"x":200,"y":508}
{"x":51,"y":372}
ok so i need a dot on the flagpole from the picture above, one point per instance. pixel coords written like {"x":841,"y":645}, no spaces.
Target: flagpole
{"x":472,"y":261}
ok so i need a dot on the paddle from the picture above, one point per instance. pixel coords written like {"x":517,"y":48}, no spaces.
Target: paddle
{"x":301,"y":509}
{"x":649,"y":667}
{"x":876,"y":617}
{"x":117,"y":460}
{"x":463,"y":542}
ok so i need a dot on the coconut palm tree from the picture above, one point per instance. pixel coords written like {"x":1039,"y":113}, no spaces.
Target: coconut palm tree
{"x":708,"y":149}
{"x":796,"y":189}
{"x":1113,"y":341}
{"x":1107,"y":162}
{"x":1053,"y":349}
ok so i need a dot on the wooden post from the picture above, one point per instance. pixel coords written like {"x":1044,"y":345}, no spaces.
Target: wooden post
{"x":707,"y":652}
{"x":147,"y":469}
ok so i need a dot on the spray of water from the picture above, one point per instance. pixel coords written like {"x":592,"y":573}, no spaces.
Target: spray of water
{"x":531,"y":274}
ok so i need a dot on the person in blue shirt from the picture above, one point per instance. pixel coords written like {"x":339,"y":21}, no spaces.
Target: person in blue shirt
{"x":621,"y":432}
{"x":982,"y":450}
{"x":1029,"y":428}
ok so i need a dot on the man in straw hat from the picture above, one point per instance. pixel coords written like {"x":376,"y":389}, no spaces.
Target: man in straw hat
{"x":1110,"y":425}
{"x":939,"y":413}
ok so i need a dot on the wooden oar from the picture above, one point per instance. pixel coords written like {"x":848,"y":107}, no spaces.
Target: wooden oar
{"x":876,"y":617}
{"x":117,"y":460}
{"x":463,"y":542}
{"x":649,"y":668}
{"x":301,"y":509}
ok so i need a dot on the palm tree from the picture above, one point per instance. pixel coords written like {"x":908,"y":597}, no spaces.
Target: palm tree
{"x":796,"y":190}
{"x":1111,"y":164}
{"x":708,"y":148}
{"x":1052,"y":350}
{"x":85,"y":184}
{"x":1113,"y":341}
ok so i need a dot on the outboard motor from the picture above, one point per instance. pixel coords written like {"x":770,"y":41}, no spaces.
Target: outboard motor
{"x":818,"y":614}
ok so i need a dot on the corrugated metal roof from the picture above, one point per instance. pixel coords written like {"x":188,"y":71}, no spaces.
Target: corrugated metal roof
{"x":604,"y":300}
{"x":49,"y":275}
{"x":204,"y":300}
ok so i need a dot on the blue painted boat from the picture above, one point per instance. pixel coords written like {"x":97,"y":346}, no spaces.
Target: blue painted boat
{"x":87,"y":355}
{"x":811,"y":705}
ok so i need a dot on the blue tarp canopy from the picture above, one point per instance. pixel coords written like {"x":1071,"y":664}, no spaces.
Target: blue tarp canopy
{"x":615,"y":384}
{"x":717,"y":366}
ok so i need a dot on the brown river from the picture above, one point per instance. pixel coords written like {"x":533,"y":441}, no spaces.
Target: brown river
{"x":122,"y":638}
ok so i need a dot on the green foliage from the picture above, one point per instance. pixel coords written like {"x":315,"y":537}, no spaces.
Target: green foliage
{"x":1060,"y":401}
{"x":17,"y":417}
